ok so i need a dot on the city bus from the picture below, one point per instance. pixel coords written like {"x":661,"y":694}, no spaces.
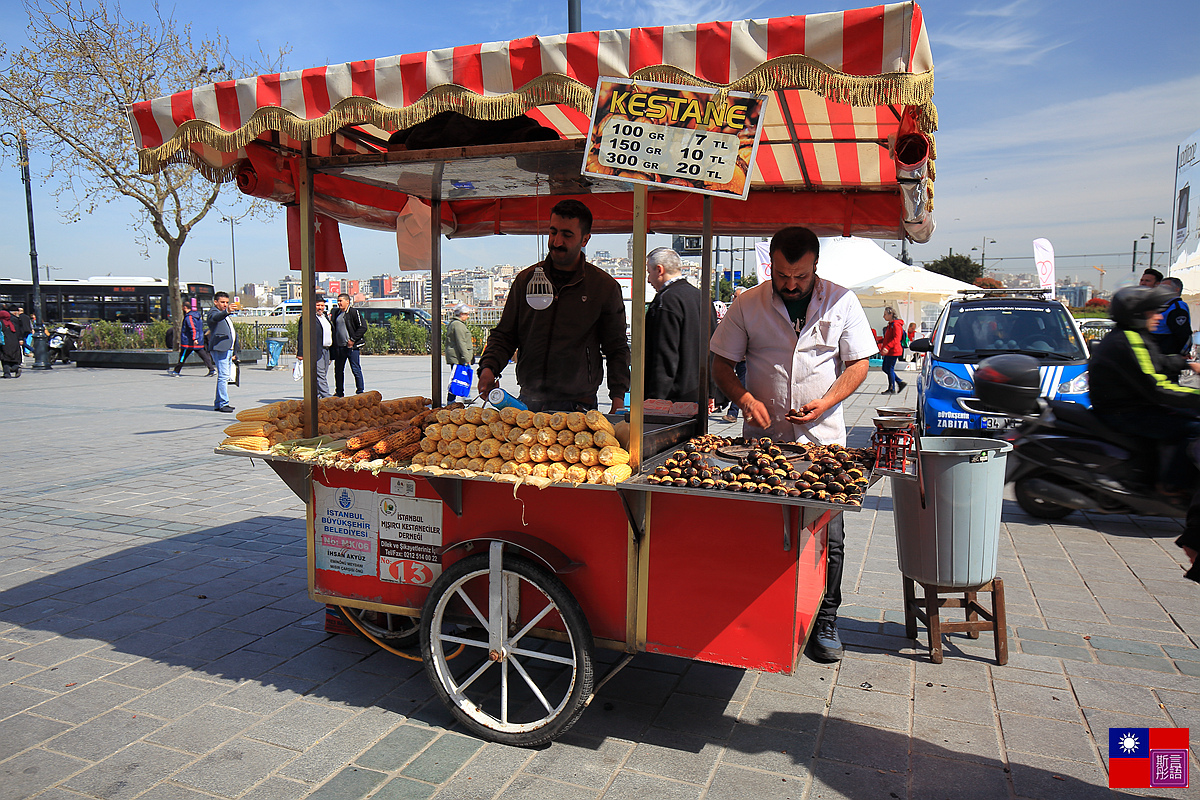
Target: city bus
{"x":112,"y":299}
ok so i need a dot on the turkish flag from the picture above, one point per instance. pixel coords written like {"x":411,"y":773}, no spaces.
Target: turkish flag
{"x":328,"y":241}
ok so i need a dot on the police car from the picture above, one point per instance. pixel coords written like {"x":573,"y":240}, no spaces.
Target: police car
{"x":987,"y":322}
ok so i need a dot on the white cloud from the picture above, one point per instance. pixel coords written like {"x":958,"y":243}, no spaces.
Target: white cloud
{"x":639,"y":13}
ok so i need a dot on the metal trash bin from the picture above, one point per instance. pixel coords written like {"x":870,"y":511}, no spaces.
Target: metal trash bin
{"x":953,"y":540}
{"x":275,"y":351}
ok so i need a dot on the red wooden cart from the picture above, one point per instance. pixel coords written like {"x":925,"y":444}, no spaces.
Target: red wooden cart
{"x":510,"y":588}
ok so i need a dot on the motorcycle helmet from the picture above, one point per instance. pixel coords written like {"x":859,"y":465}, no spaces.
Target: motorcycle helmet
{"x":1129,"y":305}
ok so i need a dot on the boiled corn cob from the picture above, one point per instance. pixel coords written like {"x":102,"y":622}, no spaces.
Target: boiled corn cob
{"x":612,"y":456}
{"x":247,"y":442}
{"x":616,"y":474}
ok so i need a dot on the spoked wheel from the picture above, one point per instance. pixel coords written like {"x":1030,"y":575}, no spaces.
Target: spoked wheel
{"x":495,"y":677}
{"x":394,"y":630}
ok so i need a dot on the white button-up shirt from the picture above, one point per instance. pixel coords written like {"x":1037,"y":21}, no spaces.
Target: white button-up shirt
{"x":785,"y":370}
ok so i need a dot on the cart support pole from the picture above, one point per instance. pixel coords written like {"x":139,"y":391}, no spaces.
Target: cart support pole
{"x":706,"y":302}
{"x":637,"y":387}
{"x":435,"y":282}
{"x":308,"y":283}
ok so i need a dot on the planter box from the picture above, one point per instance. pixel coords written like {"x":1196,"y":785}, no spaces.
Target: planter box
{"x":146,"y":359}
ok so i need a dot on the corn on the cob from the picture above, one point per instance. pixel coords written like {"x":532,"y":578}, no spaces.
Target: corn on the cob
{"x":397,"y":440}
{"x":571,"y":454}
{"x":433,"y":431}
{"x":475,"y":464}
{"x":458,"y":416}
{"x":525,"y":418}
{"x":429,"y":445}
{"x":247,"y":442}
{"x":598,"y":422}
{"x":493,"y":465}
{"x":508,"y":468}
{"x":615,"y":474}
{"x":473,"y":449}
{"x":489,"y":415}
{"x":555,"y":452}
{"x":589,"y":456}
{"x":612,"y":456}
{"x":540,"y":419}
{"x":406,"y":452}
{"x":443,"y":447}
{"x":547,"y":436}
{"x":524,"y":469}
{"x":576,"y":473}
{"x":466,"y":432}
{"x":457,"y":448}
{"x":584,"y":439}
{"x":506,"y":451}
{"x":528,"y":437}
{"x":473,"y":415}
{"x":557,"y":471}
{"x":558,"y":420}
{"x":541,"y":471}
{"x":249,"y":429}
{"x":489,"y":448}
{"x":508,"y":415}
{"x":565,"y":437}
{"x":418,"y":460}
{"x":521,"y":453}
{"x":499,"y":429}
{"x":448,"y":462}
{"x":259,"y":414}
{"x":576,"y":421}
{"x":537,"y":453}
{"x":604,"y":439}
{"x":482,"y":432}
{"x":443,"y":415}
{"x":368,"y":438}
{"x":594,"y":474}
{"x":365,"y":454}
{"x":449,"y":431}
{"x":515,"y":432}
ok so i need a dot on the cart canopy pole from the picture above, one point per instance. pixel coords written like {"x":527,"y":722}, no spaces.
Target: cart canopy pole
{"x":637,"y":386}
{"x":435,"y":283}
{"x":308,"y":283}
{"x":706,"y":303}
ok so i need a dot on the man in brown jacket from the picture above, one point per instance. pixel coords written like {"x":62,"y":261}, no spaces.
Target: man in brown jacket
{"x":567,"y":318}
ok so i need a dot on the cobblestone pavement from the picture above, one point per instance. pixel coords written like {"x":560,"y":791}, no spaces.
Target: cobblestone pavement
{"x":157,"y":641}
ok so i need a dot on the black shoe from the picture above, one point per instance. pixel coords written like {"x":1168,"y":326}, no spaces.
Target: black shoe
{"x":225,"y":409}
{"x":888,"y":391}
{"x":825,"y":646}
{"x":339,"y":394}
{"x":902,"y":385}
{"x":211,"y":372}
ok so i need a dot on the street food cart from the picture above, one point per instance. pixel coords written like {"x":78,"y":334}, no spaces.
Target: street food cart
{"x":510,"y":585}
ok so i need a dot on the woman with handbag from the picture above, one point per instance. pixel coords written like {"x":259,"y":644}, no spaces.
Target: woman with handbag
{"x":890,"y":348}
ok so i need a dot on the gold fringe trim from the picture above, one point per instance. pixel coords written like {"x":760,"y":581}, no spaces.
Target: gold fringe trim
{"x":784,"y":72}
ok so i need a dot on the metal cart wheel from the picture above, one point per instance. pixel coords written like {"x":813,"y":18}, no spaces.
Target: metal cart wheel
{"x":395,"y":630}
{"x":506,"y":686}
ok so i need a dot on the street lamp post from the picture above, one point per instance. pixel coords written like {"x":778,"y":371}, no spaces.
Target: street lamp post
{"x":41,"y":345}
{"x":1153,"y":228}
{"x":983,"y":252}
{"x":232,"y":251}
{"x":1133,"y":266}
{"x":210,"y":261}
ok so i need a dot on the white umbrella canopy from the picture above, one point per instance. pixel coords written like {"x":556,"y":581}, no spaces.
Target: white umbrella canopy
{"x":879,"y":279}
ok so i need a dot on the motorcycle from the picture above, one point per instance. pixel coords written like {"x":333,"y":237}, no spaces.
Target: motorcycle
{"x":1064,"y":458}
{"x":64,"y":340}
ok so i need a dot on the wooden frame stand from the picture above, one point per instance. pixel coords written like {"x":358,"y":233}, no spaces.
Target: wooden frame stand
{"x":927,"y":609}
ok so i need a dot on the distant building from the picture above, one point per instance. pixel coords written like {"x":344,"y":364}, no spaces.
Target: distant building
{"x":1074,"y":295}
{"x":380,"y":285}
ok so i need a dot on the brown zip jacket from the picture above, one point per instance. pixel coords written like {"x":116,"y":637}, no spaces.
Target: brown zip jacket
{"x":563,"y":349}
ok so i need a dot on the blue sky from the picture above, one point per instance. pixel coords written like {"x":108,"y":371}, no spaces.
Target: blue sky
{"x":1058,"y":119}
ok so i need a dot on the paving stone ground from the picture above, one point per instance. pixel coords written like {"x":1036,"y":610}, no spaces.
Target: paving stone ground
{"x":157,"y":640}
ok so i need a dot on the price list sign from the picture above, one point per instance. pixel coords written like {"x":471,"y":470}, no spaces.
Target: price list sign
{"x":688,"y":138}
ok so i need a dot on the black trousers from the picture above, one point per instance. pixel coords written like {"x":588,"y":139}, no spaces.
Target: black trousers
{"x":833,"y":570}
{"x":205,"y":356}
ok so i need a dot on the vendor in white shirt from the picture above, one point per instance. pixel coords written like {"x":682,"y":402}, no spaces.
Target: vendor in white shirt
{"x":321,"y":362}
{"x":806,"y":343}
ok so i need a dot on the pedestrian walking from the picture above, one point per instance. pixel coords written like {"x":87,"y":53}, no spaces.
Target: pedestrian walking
{"x":890,"y":347}
{"x":349,"y":331}
{"x":320,"y":362}
{"x":193,"y":339}
{"x":10,"y":346}
{"x":460,"y":346}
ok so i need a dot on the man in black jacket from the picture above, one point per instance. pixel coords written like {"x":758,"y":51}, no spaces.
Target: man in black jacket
{"x":349,"y":330}
{"x":673,"y":323}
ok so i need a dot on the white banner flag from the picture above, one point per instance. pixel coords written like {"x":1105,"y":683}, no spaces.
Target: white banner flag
{"x":1043,"y":256}
{"x":763,"y":266}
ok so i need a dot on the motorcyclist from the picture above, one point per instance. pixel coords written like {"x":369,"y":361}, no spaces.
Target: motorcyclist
{"x":1131,"y":393}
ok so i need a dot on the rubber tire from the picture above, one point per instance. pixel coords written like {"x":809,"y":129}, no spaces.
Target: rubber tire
{"x":1035,"y":507}
{"x":583,"y":647}
{"x":403,"y":637}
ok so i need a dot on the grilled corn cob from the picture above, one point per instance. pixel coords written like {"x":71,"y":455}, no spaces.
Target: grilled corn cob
{"x":615,"y":474}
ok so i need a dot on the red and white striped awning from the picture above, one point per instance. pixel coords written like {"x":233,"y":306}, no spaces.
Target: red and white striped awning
{"x":840,"y":86}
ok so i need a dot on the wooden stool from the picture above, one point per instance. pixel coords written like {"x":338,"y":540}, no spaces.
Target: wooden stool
{"x":927,"y":610}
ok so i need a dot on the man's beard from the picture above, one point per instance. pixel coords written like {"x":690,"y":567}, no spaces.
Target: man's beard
{"x":560,"y":256}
